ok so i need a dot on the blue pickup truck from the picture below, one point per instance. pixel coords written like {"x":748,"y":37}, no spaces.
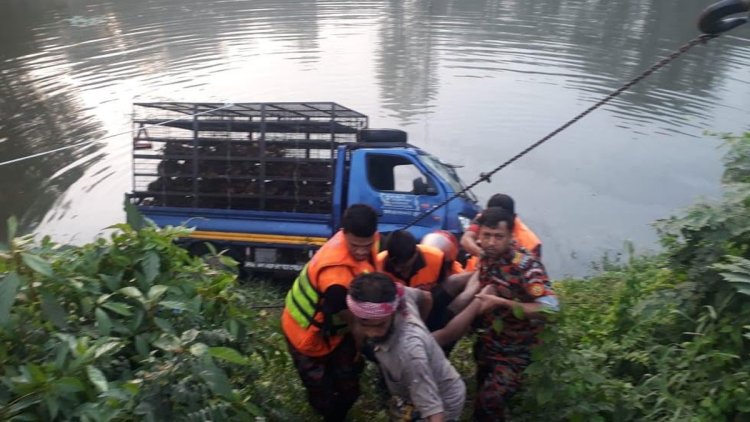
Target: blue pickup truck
{"x":268,"y":182}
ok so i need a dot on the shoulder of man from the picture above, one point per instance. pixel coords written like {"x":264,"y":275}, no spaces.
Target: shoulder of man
{"x":535,"y":276}
{"x":524,"y":260}
{"x":334,"y":275}
{"x":412,"y":296}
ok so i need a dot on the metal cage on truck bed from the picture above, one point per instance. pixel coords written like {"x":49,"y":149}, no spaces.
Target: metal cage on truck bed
{"x":244,"y":156}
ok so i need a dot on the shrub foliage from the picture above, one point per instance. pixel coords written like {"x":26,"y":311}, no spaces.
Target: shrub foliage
{"x":662,"y":338}
{"x":126,"y":328}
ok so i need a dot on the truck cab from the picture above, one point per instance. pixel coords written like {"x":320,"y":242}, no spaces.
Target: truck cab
{"x":401,"y":183}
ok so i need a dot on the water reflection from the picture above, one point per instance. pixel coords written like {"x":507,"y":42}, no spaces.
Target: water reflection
{"x":474,"y":82}
{"x":38,"y":112}
{"x":406,"y":59}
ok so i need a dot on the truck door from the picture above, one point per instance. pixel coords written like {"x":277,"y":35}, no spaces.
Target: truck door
{"x":398,"y":186}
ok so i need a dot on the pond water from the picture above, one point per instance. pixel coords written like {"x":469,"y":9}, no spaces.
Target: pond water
{"x":472,"y":81}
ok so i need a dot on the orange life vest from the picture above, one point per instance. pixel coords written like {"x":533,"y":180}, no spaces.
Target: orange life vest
{"x":525,"y":237}
{"x":456,"y":268}
{"x":427,"y":276}
{"x":302,"y":318}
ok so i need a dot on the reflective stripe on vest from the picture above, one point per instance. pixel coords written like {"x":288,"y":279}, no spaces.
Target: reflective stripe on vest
{"x":302,"y":301}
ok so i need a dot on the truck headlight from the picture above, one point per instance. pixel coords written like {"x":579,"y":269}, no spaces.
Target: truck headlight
{"x":464,"y":222}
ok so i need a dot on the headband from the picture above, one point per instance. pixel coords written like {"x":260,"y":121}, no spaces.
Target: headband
{"x":372,"y":310}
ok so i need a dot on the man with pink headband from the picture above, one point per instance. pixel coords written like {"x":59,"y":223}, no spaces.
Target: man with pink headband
{"x":413,"y":365}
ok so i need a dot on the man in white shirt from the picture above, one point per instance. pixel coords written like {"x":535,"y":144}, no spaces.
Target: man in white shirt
{"x":413,"y":365}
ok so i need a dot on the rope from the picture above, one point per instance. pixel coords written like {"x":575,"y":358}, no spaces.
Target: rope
{"x":701,"y":39}
{"x":86,"y":144}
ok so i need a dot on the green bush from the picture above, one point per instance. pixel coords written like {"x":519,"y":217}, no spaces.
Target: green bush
{"x":126,"y":328}
{"x":662,"y":338}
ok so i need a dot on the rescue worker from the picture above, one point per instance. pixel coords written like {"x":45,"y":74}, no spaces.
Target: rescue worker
{"x":525,"y":238}
{"x":413,"y":265}
{"x":422,"y":381}
{"x":446,"y":242}
{"x":422,"y":267}
{"x":315,"y":316}
{"x":507,"y":334}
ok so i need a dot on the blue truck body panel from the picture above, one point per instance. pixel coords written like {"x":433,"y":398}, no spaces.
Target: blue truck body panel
{"x":237,"y":221}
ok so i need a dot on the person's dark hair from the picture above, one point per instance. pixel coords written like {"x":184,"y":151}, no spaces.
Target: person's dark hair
{"x":360,"y":220}
{"x":401,"y":246}
{"x":373,"y":287}
{"x":503,"y":201}
{"x":491,"y":217}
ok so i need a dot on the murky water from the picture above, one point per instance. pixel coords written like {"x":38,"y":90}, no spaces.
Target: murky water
{"x":472,"y":81}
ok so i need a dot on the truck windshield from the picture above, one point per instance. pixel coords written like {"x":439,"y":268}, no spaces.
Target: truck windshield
{"x":446,"y":172}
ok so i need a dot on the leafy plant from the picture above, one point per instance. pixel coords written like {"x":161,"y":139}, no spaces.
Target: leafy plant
{"x":126,"y":328}
{"x":662,"y":338}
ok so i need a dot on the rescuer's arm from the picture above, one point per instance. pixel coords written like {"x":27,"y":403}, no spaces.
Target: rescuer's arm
{"x":463,"y":299}
{"x":461,"y":323}
{"x":424,"y":302}
{"x":527,"y":310}
{"x":537,"y":285}
{"x":334,"y":296}
{"x":469,"y":243}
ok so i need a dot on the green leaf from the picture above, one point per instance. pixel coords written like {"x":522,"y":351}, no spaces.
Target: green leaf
{"x":53,"y":406}
{"x":37,"y":264}
{"x":168,"y":342}
{"x":111,"y":281}
{"x":173,"y":304}
{"x":737,"y":277}
{"x":53,"y":310}
{"x":543,"y":395}
{"x":106,"y":348}
{"x":233,"y":327}
{"x":518,"y":311}
{"x":228,"y":354}
{"x":37,"y":375}
{"x":164,"y":324}
{"x":134,"y":218}
{"x":497,"y":325}
{"x":217,"y":380}
{"x":118,"y":308}
{"x":8,"y":291}
{"x":103,"y":323}
{"x":141,"y":344}
{"x":188,"y":336}
{"x":156,"y":291}
{"x":133,"y":292}
{"x":195,"y":304}
{"x":61,"y":355}
{"x":137,"y":320}
{"x":150,"y":266}
{"x":68,"y":385}
{"x":97,"y":377}
{"x":12,"y":228}
{"x":198,"y":349}
{"x":132,"y":387}
{"x":23,"y":403}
